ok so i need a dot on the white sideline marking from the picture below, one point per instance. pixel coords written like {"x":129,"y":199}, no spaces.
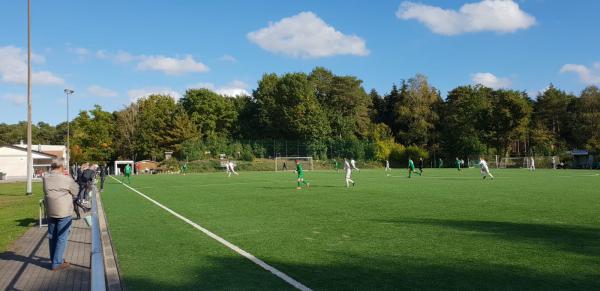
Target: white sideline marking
{"x":231,"y":246}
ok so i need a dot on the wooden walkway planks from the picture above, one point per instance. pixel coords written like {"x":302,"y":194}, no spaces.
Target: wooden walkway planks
{"x":26,"y":265}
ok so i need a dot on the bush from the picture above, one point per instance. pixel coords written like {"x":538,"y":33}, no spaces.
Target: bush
{"x":171,"y":165}
{"x":415,"y":153}
{"x":246,"y":154}
{"x":396,"y":156}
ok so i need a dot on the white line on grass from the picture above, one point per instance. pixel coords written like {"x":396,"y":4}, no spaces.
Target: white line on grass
{"x":224,"y":242}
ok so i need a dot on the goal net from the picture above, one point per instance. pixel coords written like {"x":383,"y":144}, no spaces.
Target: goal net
{"x":289,"y":163}
{"x":513,"y":162}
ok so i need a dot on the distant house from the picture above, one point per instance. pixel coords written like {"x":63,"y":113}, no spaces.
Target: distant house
{"x":13,"y":162}
{"x":60,"y":151}
{"x":146,"y":166}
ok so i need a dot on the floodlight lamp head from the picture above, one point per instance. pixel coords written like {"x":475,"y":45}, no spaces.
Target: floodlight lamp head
{"x":69,"y":91}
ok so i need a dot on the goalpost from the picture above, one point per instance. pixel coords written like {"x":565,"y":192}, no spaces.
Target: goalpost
{"x":290,"y":165}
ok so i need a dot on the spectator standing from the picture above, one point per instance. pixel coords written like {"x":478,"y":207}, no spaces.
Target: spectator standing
{"x":103,"y":174}
{"x":80,"y":180}
{"x":59,"y":192}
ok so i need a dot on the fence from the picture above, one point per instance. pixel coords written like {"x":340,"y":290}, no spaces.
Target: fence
{"x":271,"y":148}
{"x":522,"y":162}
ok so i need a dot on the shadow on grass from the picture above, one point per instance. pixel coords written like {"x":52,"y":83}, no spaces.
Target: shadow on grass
{"x":570,"y":238}
{"x":26,"y":222}
{"x":365,"y":273}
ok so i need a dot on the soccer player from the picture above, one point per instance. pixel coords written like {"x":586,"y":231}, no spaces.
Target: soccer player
{"x":420,"y":166}
{"x":411,"y":168}
{"x":485,"y":171}
{"x":457,"y":164}
{"x":231,"y":169}
{"x":387,"y":166}
{"x":127,"y":174}
{"x":353,"y":163}
{"x":300,"y":173}
{"x":337,"y":166}
{"x":553,"y":162}
{"x":531,"y":164}
{"x":348,"y":170}
{"x":184,"y":168}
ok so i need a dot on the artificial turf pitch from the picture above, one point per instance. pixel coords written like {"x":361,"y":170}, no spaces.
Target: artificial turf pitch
{"x":444,"y":230}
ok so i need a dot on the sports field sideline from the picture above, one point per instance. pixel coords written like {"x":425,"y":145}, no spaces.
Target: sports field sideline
{"x":445,"y":230}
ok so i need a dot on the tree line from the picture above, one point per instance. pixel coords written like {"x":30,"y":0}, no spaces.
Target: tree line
{"x":332,"y":116}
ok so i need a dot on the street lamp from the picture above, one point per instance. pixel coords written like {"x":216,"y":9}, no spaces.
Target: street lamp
{"x":68,"y":92}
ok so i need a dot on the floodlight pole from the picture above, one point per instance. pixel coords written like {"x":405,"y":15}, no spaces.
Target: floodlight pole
{"x":29,"y":156}
{"x":68,"y":92}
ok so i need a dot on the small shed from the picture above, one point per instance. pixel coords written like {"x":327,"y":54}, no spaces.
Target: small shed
{"x":146,"y":166}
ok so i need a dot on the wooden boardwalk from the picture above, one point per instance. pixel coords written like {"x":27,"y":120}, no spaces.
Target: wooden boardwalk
{"x":26,"y":265}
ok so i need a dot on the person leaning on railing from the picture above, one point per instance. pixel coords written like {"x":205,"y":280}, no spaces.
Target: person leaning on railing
{"x":59,"y":192}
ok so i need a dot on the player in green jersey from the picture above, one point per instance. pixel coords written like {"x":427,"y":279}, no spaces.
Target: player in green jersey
{"x":127,"y":173}
{"x":411,"y":168}
{"x":457,"y":164}
{"x":300,"y":173}
{"x":184,"y":168}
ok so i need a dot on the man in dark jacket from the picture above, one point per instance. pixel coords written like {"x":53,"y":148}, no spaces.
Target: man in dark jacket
{"x":103,"y":174}
{"x":84,"y":181}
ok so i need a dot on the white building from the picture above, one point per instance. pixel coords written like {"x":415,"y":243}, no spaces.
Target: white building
{"x":13,"y":162}
{"x":60,"y":151}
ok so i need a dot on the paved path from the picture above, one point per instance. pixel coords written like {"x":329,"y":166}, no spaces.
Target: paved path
{"x":25,"y":266}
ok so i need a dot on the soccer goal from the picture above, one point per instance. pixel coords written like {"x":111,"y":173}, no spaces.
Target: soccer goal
{"x":512,"y":162}
{"x":288,"y":163}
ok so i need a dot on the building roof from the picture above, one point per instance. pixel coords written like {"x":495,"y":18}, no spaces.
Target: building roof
{"x":49,"y":156}
{"x":44,"y":147}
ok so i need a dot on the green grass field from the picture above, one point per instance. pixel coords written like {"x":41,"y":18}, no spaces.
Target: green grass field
{"x":17,"y":211}
{"x":445,"y":230}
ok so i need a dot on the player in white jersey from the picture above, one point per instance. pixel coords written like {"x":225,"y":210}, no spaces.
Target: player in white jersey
{"x":387,"y":166}
{"x":531,"y":164}
{"x":353,"y":164}
{"x":231,"y":169}
{"x":348,"y":170}
{"x":485,"y":171}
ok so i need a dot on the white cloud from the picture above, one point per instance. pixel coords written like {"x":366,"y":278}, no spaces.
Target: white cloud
{"x":123,"y":57}
{"x":135,"y":94}
{"x":80,"y":51}
{"x":306,"y":35}
{"x":172,"y":66}
{"x":490,"y":80}
{"x":15,"y":99}
{"x":488,"y":15}
{"x":165,"y":64}
{"x":228,"y":58}
{"x":588,"y":76}
{"x":13,"y":68}
{"x":235,"y":88}
{"x":102,"y":54}
{"x":100,"y":91}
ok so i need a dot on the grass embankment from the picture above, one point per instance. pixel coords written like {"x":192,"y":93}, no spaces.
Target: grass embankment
{"x":18,"y":212}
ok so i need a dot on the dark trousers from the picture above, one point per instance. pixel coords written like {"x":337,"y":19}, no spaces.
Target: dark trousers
{"x":83,"y":190}
{"x":102,"y":182}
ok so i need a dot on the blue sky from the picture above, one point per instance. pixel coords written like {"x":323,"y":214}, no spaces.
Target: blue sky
{"x":112,"y":52}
